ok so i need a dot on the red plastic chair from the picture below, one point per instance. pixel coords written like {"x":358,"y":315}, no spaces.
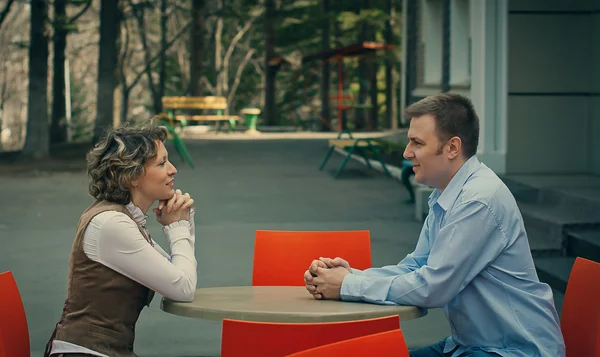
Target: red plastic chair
{"x":263,"y":339}
{"x":580,"y":321}
{"x":384,"y":344}
{"x":14,"y":334}
{"x":282,"y":257}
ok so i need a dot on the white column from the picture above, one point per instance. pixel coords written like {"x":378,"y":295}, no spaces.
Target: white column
{"x":489,"y":27}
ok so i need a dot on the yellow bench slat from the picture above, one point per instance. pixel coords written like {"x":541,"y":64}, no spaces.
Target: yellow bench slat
{"x":207,"y":117}
{"x":210,"y":102}
{"x":344,"y":143}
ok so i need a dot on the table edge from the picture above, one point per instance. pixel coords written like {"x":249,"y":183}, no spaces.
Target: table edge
{"x":176,"y":308}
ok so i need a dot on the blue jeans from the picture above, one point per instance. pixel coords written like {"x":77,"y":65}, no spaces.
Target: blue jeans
{"x":437,"y":350}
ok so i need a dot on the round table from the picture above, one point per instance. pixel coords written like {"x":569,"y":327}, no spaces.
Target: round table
{"x":282,"y":304}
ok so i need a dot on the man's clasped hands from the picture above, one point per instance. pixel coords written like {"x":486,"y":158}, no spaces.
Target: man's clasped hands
{"x":324,"y":277}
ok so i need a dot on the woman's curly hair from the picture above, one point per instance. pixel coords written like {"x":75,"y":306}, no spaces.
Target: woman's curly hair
{"x":119,"y":158}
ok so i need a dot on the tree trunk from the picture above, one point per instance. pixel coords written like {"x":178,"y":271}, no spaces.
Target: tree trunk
{"x":219,"y":73}
{"x":124,"y":110}
{"x":337,"y":33}
{"x":326,"y":70}
{"x":270,"y":71}
{"x":140,"y":15}
{"x":5,"y":11}
{"x":37,"y":140}
{"x":363,"y":69}
{"x":121,"y":108}
{"x":162,"y":65}
{"x":58,"y":127}
{"x":373,"y":91}
{"x":197,"y":48}
{"x":107,"y":65}
{"x":363,"y":90}
{"x":368,"y":74}
{"x":391,"y":105}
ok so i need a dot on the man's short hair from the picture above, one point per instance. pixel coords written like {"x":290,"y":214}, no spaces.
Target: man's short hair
{"x":454,"y":116}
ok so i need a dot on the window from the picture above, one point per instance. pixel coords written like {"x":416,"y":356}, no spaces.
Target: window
{"x":460,"y":44}
{"x":430,"y":43}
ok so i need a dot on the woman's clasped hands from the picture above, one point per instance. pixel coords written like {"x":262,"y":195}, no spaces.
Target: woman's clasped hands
{"x":177,"y":208}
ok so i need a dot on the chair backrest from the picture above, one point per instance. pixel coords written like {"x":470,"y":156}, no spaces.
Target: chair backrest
{"x":264,"y":339}
{"x":209,"y":102}
{"x":282,"y":257}
{"x":384,"y":344}
{"x":14,"y":334}
{"x":580,"y":321}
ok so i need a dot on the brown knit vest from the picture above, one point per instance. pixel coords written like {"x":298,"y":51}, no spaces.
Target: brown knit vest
{"x":102,"y":306}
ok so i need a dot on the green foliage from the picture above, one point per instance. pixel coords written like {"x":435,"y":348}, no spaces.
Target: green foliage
{"x":82,"y":116}
{"x":299,"y":25}
{"x":391,"y":148}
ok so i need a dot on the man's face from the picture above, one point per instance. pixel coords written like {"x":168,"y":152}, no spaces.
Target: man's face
{"x":427,"y":154}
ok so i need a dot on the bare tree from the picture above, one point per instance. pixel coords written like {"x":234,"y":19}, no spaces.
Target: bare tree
{"x":326,"y":70}
{"x":219,"y":85}
{"x":107,"y":66}
{"x":197,"y":48}
{"x":270,"y":71}
{"x":391,"y":104}
{"x":224,"y":78}
{"x":128,"y":60}
{"x":58,"y":127}
{"x":182,"y":48}
{"x":14,"y":72}
{"x":62,"y":26}
{"x":5,"y":11}
{"x":139,"y":11}
{"x":37,"y":140}
{"x":162,"y":69}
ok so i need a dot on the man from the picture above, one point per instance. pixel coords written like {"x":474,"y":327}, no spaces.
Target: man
{"x":472,"y":258}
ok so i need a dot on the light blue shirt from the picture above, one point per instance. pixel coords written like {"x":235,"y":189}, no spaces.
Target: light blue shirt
{"x":472,"y":259}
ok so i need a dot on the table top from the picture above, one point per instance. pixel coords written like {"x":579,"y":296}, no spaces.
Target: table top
{"x":291,"y":304}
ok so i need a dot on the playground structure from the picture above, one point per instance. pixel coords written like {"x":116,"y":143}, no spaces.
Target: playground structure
{"x":343,"y":100}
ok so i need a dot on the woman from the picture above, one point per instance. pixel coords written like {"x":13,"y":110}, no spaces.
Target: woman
{"x":115,"y":266}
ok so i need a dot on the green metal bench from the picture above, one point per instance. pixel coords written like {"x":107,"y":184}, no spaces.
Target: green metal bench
{"x":350,"y":145}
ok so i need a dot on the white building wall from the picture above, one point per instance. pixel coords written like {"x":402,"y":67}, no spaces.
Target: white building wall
{"x":551,"y":68}
{"x":533,"y":76}
{"x":594,"y":134}
{"x":488,"y":21}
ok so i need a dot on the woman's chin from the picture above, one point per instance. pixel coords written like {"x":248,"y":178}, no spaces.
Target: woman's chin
{"x":167,"y":195}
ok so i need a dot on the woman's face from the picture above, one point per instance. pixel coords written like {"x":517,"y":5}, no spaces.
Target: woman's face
{"x":157,"y":183}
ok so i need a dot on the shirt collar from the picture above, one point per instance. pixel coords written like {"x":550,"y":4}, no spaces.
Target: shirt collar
{"x":446,"y":198}
{"x":138,"y":216}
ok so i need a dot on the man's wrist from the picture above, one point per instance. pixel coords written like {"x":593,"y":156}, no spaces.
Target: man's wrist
{"x":350,"y":288}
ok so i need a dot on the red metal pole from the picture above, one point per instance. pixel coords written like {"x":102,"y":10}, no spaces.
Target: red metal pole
{"x":340,"y":89}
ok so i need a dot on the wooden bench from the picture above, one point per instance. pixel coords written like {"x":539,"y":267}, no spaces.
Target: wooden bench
{"x":350,"y":145}
{"x":219,"y":104}
{"x":171,"y":120}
